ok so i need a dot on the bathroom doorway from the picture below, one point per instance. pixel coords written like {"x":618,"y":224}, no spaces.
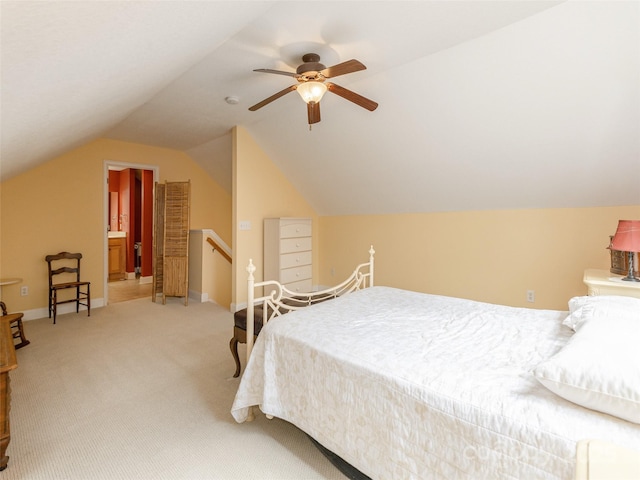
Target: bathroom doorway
{"x":128,"y":238}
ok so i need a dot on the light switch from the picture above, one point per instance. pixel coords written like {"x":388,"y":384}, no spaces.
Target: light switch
{"x":245,"y":225}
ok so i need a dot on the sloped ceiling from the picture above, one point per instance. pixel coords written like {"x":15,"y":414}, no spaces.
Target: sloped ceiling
{"x":483,"y":105}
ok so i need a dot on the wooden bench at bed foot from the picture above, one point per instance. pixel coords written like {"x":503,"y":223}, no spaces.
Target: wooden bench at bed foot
{"x":240,"y":332}
{"x":240,"y":320}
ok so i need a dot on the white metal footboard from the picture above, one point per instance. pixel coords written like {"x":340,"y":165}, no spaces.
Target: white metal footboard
{"x":282,"y":300}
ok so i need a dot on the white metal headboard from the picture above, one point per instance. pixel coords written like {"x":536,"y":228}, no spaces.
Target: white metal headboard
{"x":281,"y":300}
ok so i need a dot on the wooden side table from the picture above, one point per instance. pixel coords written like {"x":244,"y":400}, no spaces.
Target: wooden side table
{"x":8,"y":362}
{"x":603,"y":282}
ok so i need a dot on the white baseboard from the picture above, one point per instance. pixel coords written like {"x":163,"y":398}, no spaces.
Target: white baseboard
{"x":199,"y":296}
{"x":38,"y":313}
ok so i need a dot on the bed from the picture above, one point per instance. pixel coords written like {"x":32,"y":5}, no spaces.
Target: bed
{"x":402,"y":384}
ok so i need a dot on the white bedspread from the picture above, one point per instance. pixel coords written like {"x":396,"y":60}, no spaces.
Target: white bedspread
{"x":409,"y":385}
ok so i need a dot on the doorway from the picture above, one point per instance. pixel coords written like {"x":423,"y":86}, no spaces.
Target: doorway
{"x":128,"y":236}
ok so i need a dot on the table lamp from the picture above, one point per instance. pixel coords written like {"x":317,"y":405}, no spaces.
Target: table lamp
{"x":627,"y":239}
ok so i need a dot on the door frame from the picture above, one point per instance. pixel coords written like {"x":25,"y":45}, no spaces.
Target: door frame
{"x":105,"y":210}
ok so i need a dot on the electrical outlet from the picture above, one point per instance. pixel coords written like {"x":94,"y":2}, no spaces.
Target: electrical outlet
{"x":531,"y":296}
{"x":24,"y":291}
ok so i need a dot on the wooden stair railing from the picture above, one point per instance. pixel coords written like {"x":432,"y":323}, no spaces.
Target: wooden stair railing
{"x":217,"y":247}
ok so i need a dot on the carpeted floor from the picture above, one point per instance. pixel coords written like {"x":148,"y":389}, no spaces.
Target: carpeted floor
{"x":142,"y":390}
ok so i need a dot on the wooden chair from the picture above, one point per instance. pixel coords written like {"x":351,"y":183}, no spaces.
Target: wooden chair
{"x":68,"y":266}
{"x":17,"y":330}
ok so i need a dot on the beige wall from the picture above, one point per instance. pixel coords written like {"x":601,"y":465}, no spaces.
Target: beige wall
{"x":492,"y":256}
{"x":260,"y":191}
{"x":209,"y":271}
{"x":59,"y":206}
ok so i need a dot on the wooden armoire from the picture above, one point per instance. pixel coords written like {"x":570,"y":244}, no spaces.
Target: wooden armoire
{"x":171,"y":240}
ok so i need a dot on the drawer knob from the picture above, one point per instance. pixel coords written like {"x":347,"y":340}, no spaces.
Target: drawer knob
{"x":297,"y":244}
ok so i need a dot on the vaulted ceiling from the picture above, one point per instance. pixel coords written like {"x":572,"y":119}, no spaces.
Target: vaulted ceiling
{"x":483,"y":104}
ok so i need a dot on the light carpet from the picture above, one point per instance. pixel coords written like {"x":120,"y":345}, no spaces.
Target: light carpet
{"x":142,"y":390}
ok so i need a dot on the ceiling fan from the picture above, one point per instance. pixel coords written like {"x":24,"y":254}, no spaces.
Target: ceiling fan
{"x":312,"y":85}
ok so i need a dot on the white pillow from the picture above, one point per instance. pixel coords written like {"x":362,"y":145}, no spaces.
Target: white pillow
{"x":599,"y":368}
{"x":581,"y":309}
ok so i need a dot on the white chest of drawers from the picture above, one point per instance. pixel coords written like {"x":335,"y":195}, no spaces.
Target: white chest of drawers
{"x":288,"y":252}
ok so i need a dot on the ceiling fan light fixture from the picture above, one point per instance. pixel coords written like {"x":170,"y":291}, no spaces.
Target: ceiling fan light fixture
{"x":312,"y":91}
{"x":311,"y":85}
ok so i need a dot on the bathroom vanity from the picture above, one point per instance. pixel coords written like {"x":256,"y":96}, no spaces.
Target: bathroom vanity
{"x":117,"y":256}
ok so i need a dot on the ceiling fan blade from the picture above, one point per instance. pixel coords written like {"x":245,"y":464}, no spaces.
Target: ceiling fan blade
{"x":277,"y":72}
{"x":343,"y":68}
{"x":352,"y":96}
{"x":313,"y":112}
{"x":273,"y":97}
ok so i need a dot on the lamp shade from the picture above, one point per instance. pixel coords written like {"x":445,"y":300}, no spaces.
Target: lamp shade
{"x":311,"y":91}
{"x":627,"y":237}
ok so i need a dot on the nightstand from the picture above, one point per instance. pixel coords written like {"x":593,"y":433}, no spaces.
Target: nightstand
{"x":603,"y":282}
{"x":599,"y":460}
